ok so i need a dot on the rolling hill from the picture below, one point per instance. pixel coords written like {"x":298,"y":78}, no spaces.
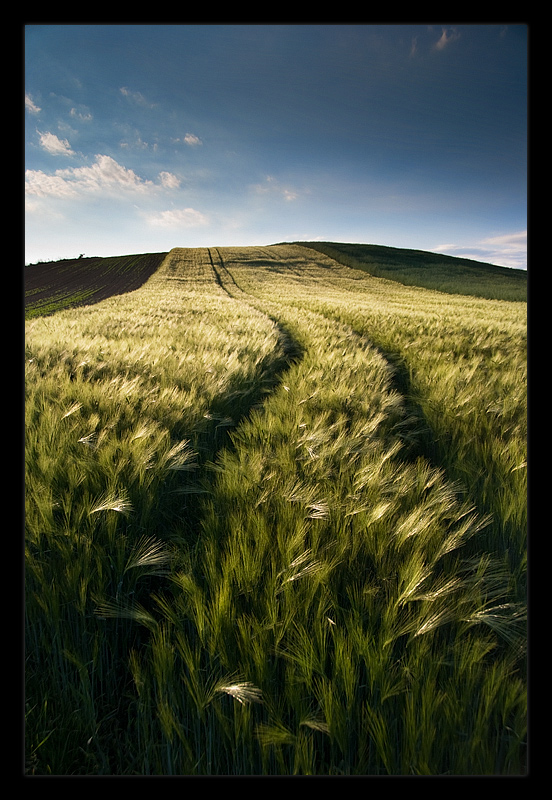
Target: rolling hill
{"x":429,"y":270}
{"x":53,"y":285}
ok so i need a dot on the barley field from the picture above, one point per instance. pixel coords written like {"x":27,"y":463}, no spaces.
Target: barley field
{"x":275,"y":524}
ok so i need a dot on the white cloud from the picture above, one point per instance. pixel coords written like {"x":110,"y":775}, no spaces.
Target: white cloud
{"x":30,"y":105}
{"x":192,"y":140}
{"x":38,"y":184}
{"x":55,"y":146}
{"x":105,"y":175}
{"x":168,"y":180}
{"x":178,"y":218}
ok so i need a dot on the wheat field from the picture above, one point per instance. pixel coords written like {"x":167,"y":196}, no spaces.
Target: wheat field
{"x":275,"y":524}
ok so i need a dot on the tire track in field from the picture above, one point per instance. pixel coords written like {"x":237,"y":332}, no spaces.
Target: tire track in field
{"x":270,"y":372}
{"x":223,"y":267}
{"x":224,"y":416}
{"x":233,"y":407}
{"x":415,"y":432}
{"x":343,"y":329}
{"x":410,"y":426}
{"x":215,"y":271}
{"x":292,"y":349}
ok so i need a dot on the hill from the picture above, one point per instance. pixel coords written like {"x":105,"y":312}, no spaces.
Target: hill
{"x":54,"y":285}
{"x":429,"y":270}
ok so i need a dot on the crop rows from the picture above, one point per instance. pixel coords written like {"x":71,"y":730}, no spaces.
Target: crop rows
{"x":56,"y":285}
{"x":275,"y":525}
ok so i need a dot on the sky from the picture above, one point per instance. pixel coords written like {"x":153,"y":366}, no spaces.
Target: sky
{"x":141,"y":138}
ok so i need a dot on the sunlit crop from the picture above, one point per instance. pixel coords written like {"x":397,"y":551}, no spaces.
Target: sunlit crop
{"x":275,"y":525}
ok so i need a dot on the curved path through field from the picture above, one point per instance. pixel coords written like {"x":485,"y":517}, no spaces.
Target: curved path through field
{"x":265,"y":277}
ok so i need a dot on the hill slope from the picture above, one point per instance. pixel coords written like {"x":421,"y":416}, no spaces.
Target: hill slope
{"x":54,"y":285}
{"x":429,"y":270}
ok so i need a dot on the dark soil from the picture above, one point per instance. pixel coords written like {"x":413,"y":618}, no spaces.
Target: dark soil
{"x":81,"y":281}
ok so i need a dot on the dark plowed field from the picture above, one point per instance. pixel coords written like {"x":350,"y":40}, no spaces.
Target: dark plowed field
{"x":61,"y":284}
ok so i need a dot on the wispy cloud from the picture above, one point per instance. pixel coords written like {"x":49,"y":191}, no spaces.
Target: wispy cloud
{"x":30,"y":105}
{"x":178,"y":218}
{"x":137,"y":144}
{"x":136,"y":97}
{"x":447,"y":35}
{"x":507,"y":250}
{"x":271,"y":186}
{"x":512,"y":247}
{"x":82,"y":114}
{"x":54,"y":145}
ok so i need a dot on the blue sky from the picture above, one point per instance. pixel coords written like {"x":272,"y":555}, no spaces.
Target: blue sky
{"x":140,"y":138}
